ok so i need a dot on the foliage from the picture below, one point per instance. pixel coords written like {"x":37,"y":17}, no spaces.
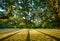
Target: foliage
{"x":32,"y":13}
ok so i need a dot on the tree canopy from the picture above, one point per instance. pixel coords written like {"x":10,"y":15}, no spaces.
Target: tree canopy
{"x":29,"y":13}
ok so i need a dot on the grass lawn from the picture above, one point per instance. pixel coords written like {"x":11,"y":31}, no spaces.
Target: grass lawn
{"x":30,"y":34}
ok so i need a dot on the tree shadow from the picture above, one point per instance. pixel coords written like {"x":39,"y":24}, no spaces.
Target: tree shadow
{"x":7,"y":37}
{"x":56,"y":38}
{"x":28,"y":36}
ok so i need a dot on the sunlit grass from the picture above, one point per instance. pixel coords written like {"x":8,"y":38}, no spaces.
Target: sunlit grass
{"x":21,"y":36}
{"x":7,"y":34}
{"x":37,"y":36}
{"x":34,"y":34}
{"x":52,"y":32}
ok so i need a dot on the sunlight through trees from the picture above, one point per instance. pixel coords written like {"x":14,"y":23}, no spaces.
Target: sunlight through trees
{"x":29,"y":13}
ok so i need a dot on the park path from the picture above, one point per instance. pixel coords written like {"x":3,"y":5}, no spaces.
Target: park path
{"x":30,"y":35}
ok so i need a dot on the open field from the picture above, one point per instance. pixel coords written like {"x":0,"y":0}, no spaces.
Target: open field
{"x":29,"y":35}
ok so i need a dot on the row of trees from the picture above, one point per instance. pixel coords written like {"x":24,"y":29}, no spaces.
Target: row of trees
{"x":29,"y":13}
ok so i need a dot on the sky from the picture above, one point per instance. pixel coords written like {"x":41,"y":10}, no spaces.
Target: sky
{"x":3,"y":11}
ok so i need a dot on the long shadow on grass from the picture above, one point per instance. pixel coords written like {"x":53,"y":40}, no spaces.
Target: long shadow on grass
{"x":7,"y":37}
{"x":53,"y":37}
{"x":28,"y":36}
